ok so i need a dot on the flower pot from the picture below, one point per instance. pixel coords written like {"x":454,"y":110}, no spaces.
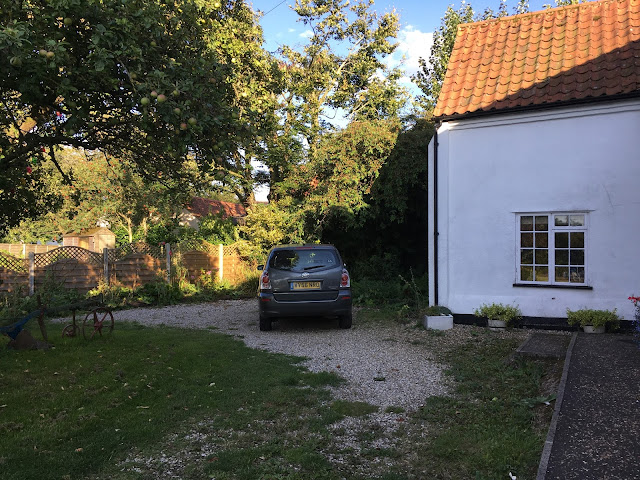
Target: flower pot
{"x":438,"y":322}
{"x":592,"y":329}
{"x":496,"y":324}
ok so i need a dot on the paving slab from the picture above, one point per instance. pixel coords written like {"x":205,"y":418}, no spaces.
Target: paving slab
{"x":551,"y":345}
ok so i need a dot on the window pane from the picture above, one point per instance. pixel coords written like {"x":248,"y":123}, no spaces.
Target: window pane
{"x":542,"y":274}
{"x":526,"y":274}
{"x":526,"y":257}
{"x":562,"y":257}
{"x":561,"y":220}
{"x":542,"y":223}
{"x":577,"y":274}
{"x":542,"y":240}
{"x":562,"y":240}
{"x":576,"y":257}
{"x":576,"y":220}
{"x":562,"y":274}
{"x":577,"y":239}
{"x":526,"y":223}
{"x":542,"y":257}
{"x":526,"y":239}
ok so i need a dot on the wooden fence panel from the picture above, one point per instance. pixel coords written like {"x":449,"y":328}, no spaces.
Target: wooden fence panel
{"x":195,"y":262}
{"x":235,"y":269}
{"x":22,"y":250}
{"x":12,"y":281}
{"x":71,"y":273}
{"x":130,"y":265}
{"x":136,"y":269}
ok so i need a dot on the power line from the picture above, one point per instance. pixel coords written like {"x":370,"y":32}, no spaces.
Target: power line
{"x":274,"y":8}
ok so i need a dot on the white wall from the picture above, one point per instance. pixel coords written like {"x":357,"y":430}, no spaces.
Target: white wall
{"x":582,"y":158}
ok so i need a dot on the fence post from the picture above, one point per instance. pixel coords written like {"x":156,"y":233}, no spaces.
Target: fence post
{"x":220,"y":262}
{"x":168,"y":247}
{"x":105,"y":256}
{"x":32,"y":273}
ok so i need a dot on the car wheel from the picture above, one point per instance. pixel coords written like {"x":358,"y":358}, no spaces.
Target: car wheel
{"x":265,"y":323}
{"x":345,"y":321}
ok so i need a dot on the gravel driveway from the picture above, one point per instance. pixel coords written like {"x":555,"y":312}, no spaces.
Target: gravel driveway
{"x":383,"y":364}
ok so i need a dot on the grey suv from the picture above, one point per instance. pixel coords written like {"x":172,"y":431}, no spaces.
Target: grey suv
{"x":304,"y":280}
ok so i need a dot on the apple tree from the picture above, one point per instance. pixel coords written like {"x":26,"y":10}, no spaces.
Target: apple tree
{"x":153,"y":81}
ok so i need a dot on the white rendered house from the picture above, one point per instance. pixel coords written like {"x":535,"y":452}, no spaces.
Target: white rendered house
{"x":534,"y":173}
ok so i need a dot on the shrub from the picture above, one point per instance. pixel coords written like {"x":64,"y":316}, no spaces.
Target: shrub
{"x":498,"y":311}
{"x":595,"y":318}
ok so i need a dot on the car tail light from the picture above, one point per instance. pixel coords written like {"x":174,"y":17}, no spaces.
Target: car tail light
{"x":265,"y":283}
{"x":345,"y":281}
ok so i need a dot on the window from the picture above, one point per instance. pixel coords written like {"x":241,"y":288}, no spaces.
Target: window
{"x":552,"y":248}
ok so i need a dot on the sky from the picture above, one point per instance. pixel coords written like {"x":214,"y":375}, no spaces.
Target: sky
{"x":418,"y":20}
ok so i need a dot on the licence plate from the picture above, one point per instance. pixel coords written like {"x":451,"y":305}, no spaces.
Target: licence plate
{"x":305,"y":285}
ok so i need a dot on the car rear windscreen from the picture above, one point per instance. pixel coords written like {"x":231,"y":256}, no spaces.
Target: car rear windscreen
{"x":302,"y":260}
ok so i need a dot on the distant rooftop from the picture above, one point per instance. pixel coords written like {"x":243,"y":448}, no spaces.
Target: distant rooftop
{"x":202,"y":207}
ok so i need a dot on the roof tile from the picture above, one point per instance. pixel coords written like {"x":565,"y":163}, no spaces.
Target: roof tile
{"x":560,"y":54}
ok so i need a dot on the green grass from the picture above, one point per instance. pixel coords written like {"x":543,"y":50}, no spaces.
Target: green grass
{"x":104,"y":408}
{"x":492,"y":425}
{"x":81,"y":408}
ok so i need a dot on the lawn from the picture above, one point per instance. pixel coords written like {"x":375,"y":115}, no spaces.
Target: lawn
{"x":155,"y":402}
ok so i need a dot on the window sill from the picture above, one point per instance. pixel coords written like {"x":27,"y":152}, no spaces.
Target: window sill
{"x":537,"y":285}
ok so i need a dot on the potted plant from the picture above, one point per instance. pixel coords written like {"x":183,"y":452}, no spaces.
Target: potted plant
{"x":438,"y":318}
{"x":593,"y":321}
{"x":498,"y":316}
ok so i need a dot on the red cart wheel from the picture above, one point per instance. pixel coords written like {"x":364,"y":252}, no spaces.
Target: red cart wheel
{"x":69,"y":330}
{"x":98,"y":321}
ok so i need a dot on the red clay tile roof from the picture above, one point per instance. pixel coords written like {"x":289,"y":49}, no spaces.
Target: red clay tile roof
{"x":562,"y":54}
{"x":202,"y":207}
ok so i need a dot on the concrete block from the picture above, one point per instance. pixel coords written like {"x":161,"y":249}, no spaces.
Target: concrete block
{"x":438,"y":322}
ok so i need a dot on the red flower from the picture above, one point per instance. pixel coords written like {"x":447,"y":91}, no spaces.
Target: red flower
{"x":29,"y":170}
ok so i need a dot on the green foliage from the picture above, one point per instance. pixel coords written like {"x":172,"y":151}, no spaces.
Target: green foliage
{"x":437,"y":310}
{"x":217,"y":230}
{"x":102,"y":188}
{"x":406,"y":297}
{"x":340,"y":67}
{"x":390,"y":234}
{"x":595,"y":318}
{"x":274,"y":224}
{"x":499,"y":311}
{"x":155,"y":82}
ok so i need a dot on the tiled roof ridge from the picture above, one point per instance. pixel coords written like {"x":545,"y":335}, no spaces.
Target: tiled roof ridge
{"x":564,"y":54}
{"x":537,"y":12}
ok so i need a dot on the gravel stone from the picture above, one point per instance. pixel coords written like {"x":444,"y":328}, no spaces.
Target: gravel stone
{"x":379,"y":363}
{"x":386,"y":364}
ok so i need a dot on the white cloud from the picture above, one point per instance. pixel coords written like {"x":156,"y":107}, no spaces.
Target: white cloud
{"x":306,"y":34}
{"x":412,"y":44}
{"x":291,"y":30}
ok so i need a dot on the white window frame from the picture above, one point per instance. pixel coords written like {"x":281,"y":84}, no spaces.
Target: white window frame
{"x":552,"y":229}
